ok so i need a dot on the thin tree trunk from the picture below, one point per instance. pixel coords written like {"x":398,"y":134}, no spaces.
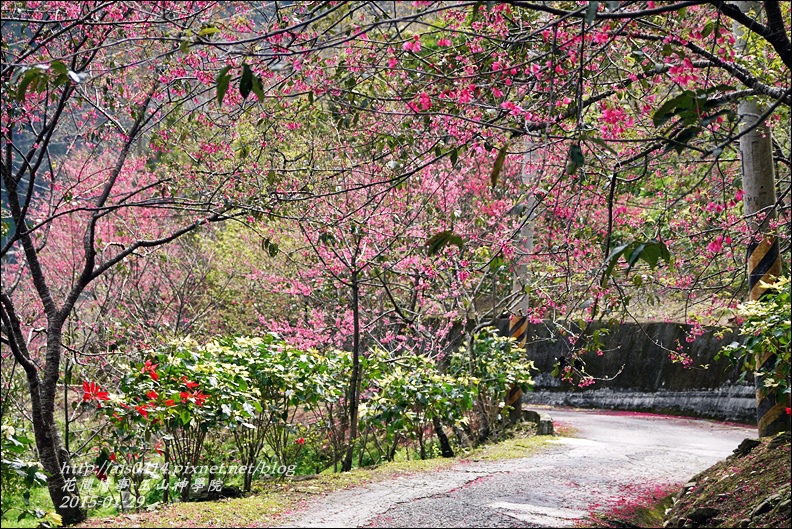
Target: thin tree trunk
{"x":379,"y":449}
{"x":392,"y":452}
{"x":445,"y":445}
{"x":363,"y":443}
{"x":166,"y":477}
{"x":354,"y":380}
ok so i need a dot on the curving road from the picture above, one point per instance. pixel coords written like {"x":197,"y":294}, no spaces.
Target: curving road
{"x":612,"y":458}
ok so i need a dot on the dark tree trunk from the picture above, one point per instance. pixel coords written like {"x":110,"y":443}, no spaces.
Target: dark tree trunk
{"x":354,"y":380}
{"x":445,"y":445}
{"x":394,"y":447}
{"x":166,"y":476}
{"x":248,"y":481}
{"x":61,"y":481}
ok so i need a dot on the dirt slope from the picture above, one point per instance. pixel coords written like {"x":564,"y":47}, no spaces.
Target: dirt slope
{"x":750,"y":488}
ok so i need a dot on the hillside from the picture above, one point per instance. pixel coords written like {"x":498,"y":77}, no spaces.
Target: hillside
{"x":748,"y":489}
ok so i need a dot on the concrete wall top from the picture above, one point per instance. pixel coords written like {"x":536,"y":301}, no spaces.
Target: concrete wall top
{"x":640,"y":352}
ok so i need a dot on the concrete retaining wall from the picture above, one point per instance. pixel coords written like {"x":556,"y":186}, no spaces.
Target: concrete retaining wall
{"x":644,"y":377}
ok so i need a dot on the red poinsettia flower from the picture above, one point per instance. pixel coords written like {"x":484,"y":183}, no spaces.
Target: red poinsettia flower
{"x":170,"y":402}
{"x":158,"y":447}
{"x":198,"y":396}
{"x":190,"y":385}
{"x":112,"y":458}
{"x":300,"y":440}
{"x":142,"y":410}
{"x":91,"y":391}
{"x":152,"y":395}
{"x":150,"y":368}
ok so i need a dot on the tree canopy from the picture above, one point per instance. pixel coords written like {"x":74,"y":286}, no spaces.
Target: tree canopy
{"x":370,"y":174}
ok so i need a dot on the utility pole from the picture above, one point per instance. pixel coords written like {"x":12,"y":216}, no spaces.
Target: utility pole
{"x":763,"y":256}
{"x":524,"y":242}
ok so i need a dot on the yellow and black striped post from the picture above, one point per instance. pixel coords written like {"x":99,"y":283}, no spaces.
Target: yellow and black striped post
{"x":518,"y":329}
{"x":764,"y":265}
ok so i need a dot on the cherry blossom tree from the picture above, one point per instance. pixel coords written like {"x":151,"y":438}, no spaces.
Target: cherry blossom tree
{"x":82,"y":102}
{"x":118,"y":114}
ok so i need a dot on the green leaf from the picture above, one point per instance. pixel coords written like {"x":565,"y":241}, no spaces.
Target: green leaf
{"x":438,"y":241}
{"x":211,"y":30}
{"x":650,"y":252}
{"x":576,"y":159}
{"x":258,"y":87}
{"x":270,"y":247}
{"x":708,"y":28}
{"x":611,"y":261}
{"x":496,"y":168}
{"x":636,"y":254}
{"x":576,"y":154}
{"x":591,"y":11}
{"x":222,"y":84}
{"x":184,"y":46}
{"x":59,"y":68}
{"x":327,"y":238}
{"x":474,"y":13}
{"x":246,"y":82}
{"x":454,"y":156}
{"x":685,"y":100}
{"x":27,"y":82}
{"x":682,"y":138}
{"x":665,"y":254}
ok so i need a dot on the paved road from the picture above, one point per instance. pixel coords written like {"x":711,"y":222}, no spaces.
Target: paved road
{"x":611,"y":458}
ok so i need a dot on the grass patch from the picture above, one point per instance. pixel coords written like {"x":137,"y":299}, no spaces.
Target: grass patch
{"x":509,"y":449}
{"x":39,"y":499}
